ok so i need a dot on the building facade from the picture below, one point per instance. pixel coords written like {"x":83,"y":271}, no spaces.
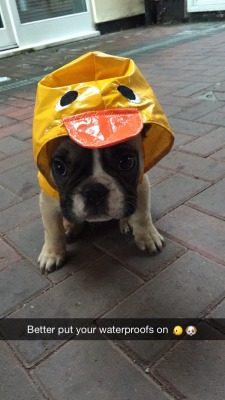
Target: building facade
{"x":26,"y":24}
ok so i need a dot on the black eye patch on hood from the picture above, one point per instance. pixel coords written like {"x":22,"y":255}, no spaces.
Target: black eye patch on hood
{"x":67,"y":99}
{"x":128,"y":93}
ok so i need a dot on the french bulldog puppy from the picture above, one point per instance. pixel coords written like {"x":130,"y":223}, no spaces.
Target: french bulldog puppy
{"x":97,"y":185}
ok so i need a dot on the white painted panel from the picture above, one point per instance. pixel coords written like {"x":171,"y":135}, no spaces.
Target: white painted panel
{"x":109,"y":10}
{"x":205,"y":5}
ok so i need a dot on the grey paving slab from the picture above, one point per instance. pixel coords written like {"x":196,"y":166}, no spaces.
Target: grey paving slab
{"x":7,"y":198}
{"x":19,"y":214}
{"x":157,"y":175}
{"x":195,"y":370}
{"x":10,"y":146}
{"x":124,"y":249}
{"x":191,"y":89}
{"x":215,"y":117}
{"x":15,"y":160}
{"x":207,"y":144}
{"x":198,"y":110}
{"x":21,"y":180}
{"x":8,"y":254}
{"x":172,"y":192}
{"x":182,"y":139}
{"x":198,"y":167}
{"x":88,"y":293}
{"x":29,"y":239}
{"x":219,"y":155}
{"x":95,"y":370}
{"x":186,"y":289}
{"x":196,"y":230}
{"x":190,"y":127}
{"x":15,"y":382}
{"x":18,"y":283}
{"x":211,"y":200}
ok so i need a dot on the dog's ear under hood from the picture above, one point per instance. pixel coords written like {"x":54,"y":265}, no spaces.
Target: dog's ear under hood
{"x":98,"y":100}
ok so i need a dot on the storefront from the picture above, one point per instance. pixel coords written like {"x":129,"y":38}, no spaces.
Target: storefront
{"x":205,"y":5}
{"x":31,"y":23}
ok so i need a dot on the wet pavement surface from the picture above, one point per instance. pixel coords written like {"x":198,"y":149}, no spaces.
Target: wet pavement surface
{"x":105,"y":274}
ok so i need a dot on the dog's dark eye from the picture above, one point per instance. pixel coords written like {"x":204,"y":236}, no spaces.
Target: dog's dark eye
{"x":129,"y":94}
{"x":66,"y":100}
{"x":59,"y":168}
{"x":126,"y":162}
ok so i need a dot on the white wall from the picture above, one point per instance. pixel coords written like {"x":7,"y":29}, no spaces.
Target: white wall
{"x":109,"y":10}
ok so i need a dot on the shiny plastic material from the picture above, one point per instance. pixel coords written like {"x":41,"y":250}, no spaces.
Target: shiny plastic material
{"x":96,"y":129}
{"x":103,"y":85}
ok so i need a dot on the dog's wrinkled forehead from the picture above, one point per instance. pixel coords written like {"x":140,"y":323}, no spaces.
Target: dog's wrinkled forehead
{"x":83,"y":158}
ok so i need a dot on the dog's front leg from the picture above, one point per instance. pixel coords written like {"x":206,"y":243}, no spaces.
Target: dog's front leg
{"x":140,"y":223}
{"x":54,"y":249}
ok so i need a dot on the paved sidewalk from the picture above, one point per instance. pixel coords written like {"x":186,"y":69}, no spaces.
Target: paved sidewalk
{"x":106,"y":275}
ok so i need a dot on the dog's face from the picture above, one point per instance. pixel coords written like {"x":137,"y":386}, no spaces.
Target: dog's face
{"x":97,"y":185}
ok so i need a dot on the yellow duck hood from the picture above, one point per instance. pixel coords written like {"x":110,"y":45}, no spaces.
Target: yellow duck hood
{"x":98,"y":100}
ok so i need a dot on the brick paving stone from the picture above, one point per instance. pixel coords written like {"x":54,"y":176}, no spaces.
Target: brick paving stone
{"x":196,"y":230}
{"x":15,"y":382}
{"x":97,"y":370}
{"x":22,"y":113}
{"x":211,"y":200}
{"x":182,"y":139}
{"x":18,"y":283}
{"x":157,"y":175}
{"x":219,"y":155}
{"x":14,"y":129}
{"x":10,"y":146}
{"x":217,"y":315}
{"x":19,"y":214}
{"x":4,"y":121}
{"x":8,"y":255}
{"x":207,"y":144}
{"x":29,"y":239}
{"x":5,"y":109}
{"x":215,"y":117}
{"x":172,"y":192}
{"x":21,"y":103}
{"x":200,"y":168}
{"x":190,"y":127}
{"x":179,"y":101}
{"x":194,"y":370}
{"x":198,"y":110}
{"x":88,"y":293}
{"x":16,"y":160}
{"x":7,"y":198}
{"x":21,"y":180}
{"x":170,"y":294}
{"x":170,"y":110}
{"x":191,"y":89}
{"x":124,"y":249}
{"x":219,"y":95}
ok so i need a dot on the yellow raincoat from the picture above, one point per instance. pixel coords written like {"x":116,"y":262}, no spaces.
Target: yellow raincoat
{"x":98,"y":100}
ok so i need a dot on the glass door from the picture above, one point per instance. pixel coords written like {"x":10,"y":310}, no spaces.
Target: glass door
{"x":7,"y":39}
{"x":205,"y":5}
{"x":39,"y":23}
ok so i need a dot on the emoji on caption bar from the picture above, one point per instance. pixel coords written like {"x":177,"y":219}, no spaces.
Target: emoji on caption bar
{"x":177,"y":330}
{"x":191,"y":330}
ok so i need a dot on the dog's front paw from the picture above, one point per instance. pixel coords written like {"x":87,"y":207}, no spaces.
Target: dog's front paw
{"x":50,"y":259}
{"x":148,"y":238}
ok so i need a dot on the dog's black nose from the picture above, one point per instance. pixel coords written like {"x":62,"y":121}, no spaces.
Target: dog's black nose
{"x":94,"y":193}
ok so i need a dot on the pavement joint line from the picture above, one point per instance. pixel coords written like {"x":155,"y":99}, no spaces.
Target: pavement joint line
{"x":182,"y":37}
